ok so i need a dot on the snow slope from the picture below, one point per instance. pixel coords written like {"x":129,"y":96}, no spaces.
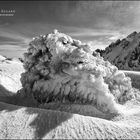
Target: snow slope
{"x":10,"y":71}
{"x":23,"y":122}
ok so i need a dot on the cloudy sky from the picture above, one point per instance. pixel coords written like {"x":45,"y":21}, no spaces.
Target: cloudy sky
{"x":96,"y":22}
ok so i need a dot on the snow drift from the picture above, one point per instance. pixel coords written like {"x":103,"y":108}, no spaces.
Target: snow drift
{"x":61,"y":69}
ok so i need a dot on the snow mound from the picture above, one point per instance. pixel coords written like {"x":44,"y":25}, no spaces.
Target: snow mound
{"x":61,"y":69}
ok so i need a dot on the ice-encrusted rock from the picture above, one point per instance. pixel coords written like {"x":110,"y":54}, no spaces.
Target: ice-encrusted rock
{"x":61,"y":69}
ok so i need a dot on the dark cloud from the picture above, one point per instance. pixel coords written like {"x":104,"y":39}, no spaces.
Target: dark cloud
{"x":78,"y":13}
{"x":87,"y":14}
{"x":102,"y":14}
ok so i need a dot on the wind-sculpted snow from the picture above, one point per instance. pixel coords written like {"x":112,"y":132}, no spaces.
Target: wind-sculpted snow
{"x":34,"y":123}
{"x":61,"y":69}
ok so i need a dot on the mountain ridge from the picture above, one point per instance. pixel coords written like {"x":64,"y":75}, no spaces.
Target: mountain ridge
{"x":125,"y":53}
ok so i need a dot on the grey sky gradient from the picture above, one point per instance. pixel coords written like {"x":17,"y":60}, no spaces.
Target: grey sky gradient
{"x":96,"y":22}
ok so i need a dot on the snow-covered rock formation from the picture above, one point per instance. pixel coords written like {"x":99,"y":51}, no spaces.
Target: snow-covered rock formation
{"x":125,"y":53}
{"x":61,"y":69}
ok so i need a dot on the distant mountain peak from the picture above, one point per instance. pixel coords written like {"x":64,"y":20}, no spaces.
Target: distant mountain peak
{"x":2,"y":58}
{"x":132,"y":34}
{"x":125,"y":53}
